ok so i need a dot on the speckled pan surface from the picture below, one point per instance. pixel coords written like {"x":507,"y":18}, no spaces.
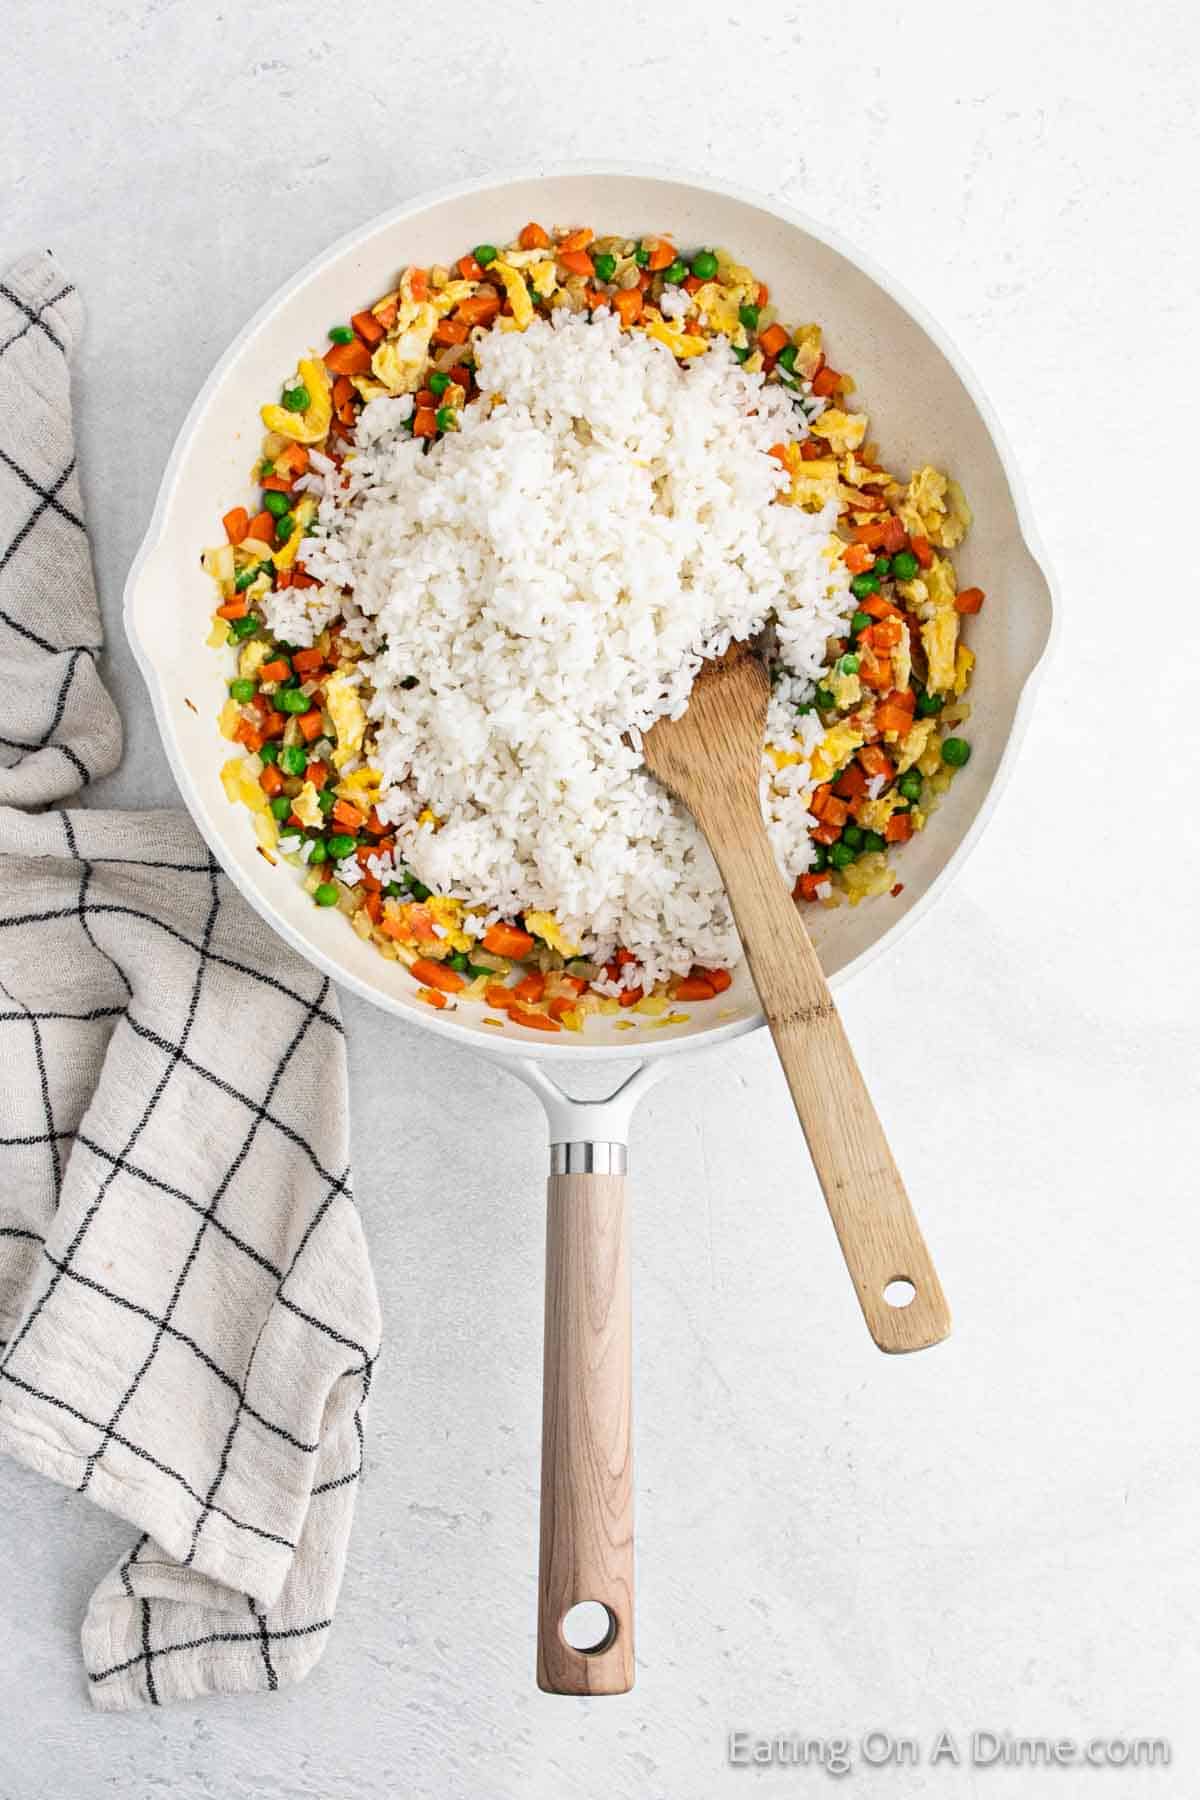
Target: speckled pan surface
{"x":924,"y":406}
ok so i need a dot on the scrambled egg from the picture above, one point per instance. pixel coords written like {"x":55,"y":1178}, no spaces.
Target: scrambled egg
{"x":448,"y":913}
{"x":239,"y":785}
{"x":363,"y":788}
{"x":873,"y":815}
{"x":679,"y":343}
{"x":936,"y":508}
{"x":349,"y":720}
{"x":835,"y":750}
{"x":915,"y":743}
{"x":310,"y":426}
{"x":807,"y":339}
{"x":964,"y":662}
{"x":399,"y":362}
{"x":252,"y":657}
{"x":547,"y":927}
{"x":939,"y":635}
{"x":842,"y":431}
{"x":517,"y":294}
{"x":307,"y":807}
{"x":304,"y":515}
{"x":867,"y":876}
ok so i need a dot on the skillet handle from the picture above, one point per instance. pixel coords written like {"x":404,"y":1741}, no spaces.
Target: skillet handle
{"x":587,"y":1457}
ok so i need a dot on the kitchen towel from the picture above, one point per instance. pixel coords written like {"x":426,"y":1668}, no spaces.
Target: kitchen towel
{"x":188,"y":1320}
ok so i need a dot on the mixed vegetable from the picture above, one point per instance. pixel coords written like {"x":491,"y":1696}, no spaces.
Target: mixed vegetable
{"x":889,"y":703}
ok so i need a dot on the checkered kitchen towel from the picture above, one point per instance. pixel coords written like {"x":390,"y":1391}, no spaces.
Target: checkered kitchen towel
{"x":188,"y":1321}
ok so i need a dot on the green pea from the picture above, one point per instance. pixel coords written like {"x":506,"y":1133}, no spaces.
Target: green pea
{"x":848,"y":665}
{"x":318,"y":852}
{"x":928,"y":705}
{"x":341,"y":844}
{"x":882,"y":566}
{"x":459,"y":962}
{"x":420,"y":891}
{"x":605,"y":266}
{"x":341,"y":334}
{"x":269,"y":753}
{"x":326,"y":894}
{"x":864,"y":585}
{"x":803,"y":711}
{"x":820,"y":860}
{"x":905,"y":565}
{"x":704,"y":265}
{"x":675,"y":274}
{"x":840,"y":855}
{"x":438,"y":383}
{"x":393,"y":890}
{"x":244,"y":579}
{"x":853,"y":835}
{"x":874,"y":842}
{"x":824,"y":699}
{"x":446,"y":419}
{"x":243,"y":628}
{"x":474,"y":972}
{"x":861,"y":621}
{"x":291,"y":700}
{"x":285,"y":524}
{"x":297,"y":399}
{"x":292,"y":759}
{"x":787,"y":358}
{"x":749,"y":318}
{"x":326,"y":800}
{"x":485,"y":254}
{"x":641,"y":256}
{"x":265,"y":468}
{"x":741,"y":351}
{"x":276,"y":504}
{"x":910,"y":784}
{"x":243,"y":689}
{"x":955,"y":752}
{"x":281,"y":806}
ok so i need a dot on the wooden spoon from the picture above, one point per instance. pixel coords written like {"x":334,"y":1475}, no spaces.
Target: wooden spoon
{"x":710,"y":759}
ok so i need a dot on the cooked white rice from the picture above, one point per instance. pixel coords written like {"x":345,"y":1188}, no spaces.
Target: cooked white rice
{"x":546,"y":580}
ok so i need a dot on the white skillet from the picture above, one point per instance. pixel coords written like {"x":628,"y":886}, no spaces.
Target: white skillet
{"x":924,"y":405}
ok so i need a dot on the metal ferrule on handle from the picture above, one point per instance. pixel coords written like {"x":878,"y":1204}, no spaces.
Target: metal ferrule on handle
{"x":589,"y":1158}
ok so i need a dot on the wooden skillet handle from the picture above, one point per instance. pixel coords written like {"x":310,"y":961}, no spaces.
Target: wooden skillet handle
{"x":587,"y":1460}
{"x":880,"y":1238}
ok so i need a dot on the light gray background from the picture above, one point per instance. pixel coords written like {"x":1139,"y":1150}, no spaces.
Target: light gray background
{"x":1002,"y":1532}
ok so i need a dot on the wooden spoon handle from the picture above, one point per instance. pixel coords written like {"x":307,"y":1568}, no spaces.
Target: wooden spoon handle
{"x":880,"y":1238}
{"x":587,"y":1459}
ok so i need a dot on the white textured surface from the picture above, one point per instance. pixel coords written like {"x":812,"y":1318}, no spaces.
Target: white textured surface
{"x":1000,"y":1533}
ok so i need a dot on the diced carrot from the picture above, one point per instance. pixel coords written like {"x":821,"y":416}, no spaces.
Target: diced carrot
{"x":418,"y":287}
{"x":462,"y":375}
{"x":284,"y":578}
{"x":806,"y":887}
{"x":385,"y":311}
{"x":595,"y":298}
{"x":895,"y":538}
{"x":779,"y":452}
{"x":469,"y":269}
{"x":628,"y":303}
{"x":577,"y":240}
{"x":773,"y":340}
{"x":718,"y":979}
{"x":533,"y":237}
{"x":311,"y":726}
{"x":573,"y":984}
{"x":368,"y":328}
{"x":275,"y":670}
{"x":561,"y":1005}
{"x":272,"y":725}
{"x":693,"y":284}
{"x":535,"y":1021}
{"x":969,"y":600}
{"x":630,"y":996}
{"x":249,"y":734}
{"x":870,"y":533}
{"x":497,"y":995}
{"x":531,"y":987}
{"x":317,"y":772}
{"x":450,"y":331}
{"x":875,"y":762}
{"x":344,"y":400}
{"x":262,"y":527}
{"x":576,"y":262}
{"x":851,"y":784}
{"x":425,"y":421}
{"x":878,"y":607}
{"x":826,"y":834}
{"x":301,"y":577}
{"x":507,"y":940}
{"x":857,"y":558}
{"x":437,"y":975}
{"x":348,"y":359}
{"x":431,"y":997}
{"x":623,"y":957}
{"x":905,"y":699}
{"x":875,"y":672}
{"x":923,"y":551}
{"x":893,"y":718}
{"x":291,"y":461}
{"x":420,"y":923}
{"x":885,"y":634}
{"x":425,"y":397}
{"x":812,"y":450}
{"x":694,"y":987}
{"x":826,"y":382}
{"x":276,"y":484}
{"x":235,"y":523}
{"x":899,"y":828}
{"x":307,"y":662}
{"x":349,"y":815}
{"x":237,"y":608}
{"x":271,"y":781}
{"x":662,"y":255}
{"x":392,"y":926}
{"x":477,"y":309}
{"x":374,"y":905}
{"x":897,"y":890}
